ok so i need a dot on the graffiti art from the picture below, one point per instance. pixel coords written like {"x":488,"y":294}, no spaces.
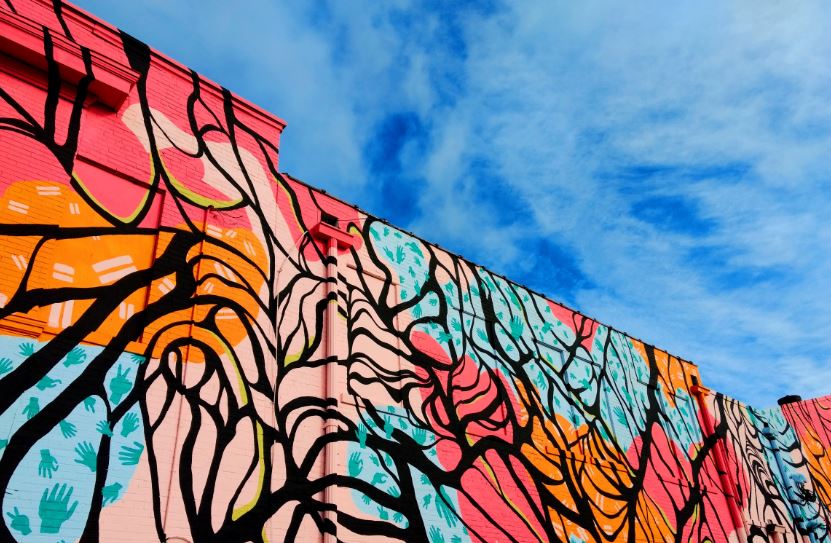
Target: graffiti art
{"x":197,"y":347}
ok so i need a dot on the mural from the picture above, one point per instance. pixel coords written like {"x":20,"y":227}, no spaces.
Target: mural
{"x":811,"y":422}
{"x":770,"y":471}
{"x":203,"y":349}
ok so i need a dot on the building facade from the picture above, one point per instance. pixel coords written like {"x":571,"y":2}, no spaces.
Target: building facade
{"x":195,"y":347}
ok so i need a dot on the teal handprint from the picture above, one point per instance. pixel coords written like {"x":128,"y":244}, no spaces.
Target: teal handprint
{"x":138,"y":359}
{"x":120,"y":385}
{"x":48,"y":463}
{"x":378,"y":479}
{"x":32,"y":408}
{"x":19,"y":522}
{"x":444,"y":510}
{"x":361,"y":433}
{"x":129,"y":456}
{"x":53,"y":510}
{"x":387,"y":428}
{"x":74,"y":357}
{"x":130,"y":424}
{"x":3,"y":443}
{"x":89,"y":404}
{"x":356,"y":465}
{"x":47,"y":382}
{"x":67,"y":429}
{"x":103,"y":428}
{"x":435,"y":535}
{"x":6,"y":366}
{"x":111,"y":492}
{"x":26,"y":349}
{"x":420,"y":435}
{"x":86,"y":455}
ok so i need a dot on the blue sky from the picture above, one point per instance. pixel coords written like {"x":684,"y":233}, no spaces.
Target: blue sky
{"x":664,"y":168}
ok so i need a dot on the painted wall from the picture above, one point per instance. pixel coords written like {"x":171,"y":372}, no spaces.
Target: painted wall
{"x":194,"y":347}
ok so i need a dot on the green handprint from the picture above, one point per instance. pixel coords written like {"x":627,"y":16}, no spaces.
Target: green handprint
{"x":6,"y":365}
{"x":53,"y":510}
{"x":356,"y":465}
{"x":32,"y":408}
{"x":47,"y":382}
{"x":48,"y":463}
{"x":130,"y":456}
{"x":19,"y":522}
{"x":103,"y":428}
{"x":74,"y":357}
{"x":67,"y":429}
{"x":86,"y":455}
{"x":130,"y":424}
{"x":89,"y":404}
{"x":26,"y":349}
{"x":111,"y":492}
{"x":120,"y":385}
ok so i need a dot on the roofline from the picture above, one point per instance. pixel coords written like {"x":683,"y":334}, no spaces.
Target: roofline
{"x":472,"y":263}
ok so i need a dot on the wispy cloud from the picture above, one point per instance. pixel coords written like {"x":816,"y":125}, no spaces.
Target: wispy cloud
{"x":662,"y":167}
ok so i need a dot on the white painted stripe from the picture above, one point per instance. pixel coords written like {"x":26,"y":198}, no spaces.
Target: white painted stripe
{"x":19,"y":261}
{"x":18,"y":207}
{"x":3,"y":299}
{"x":63,"y":277}
{"x":225,"y":314}
{"x":209,"y":287}
{"x":214,"y":231}
{"x":67,"y":313}
{"x":249,"y":248}
{"x":220,"y":269}
{"x":55,"y":315}
{"x":166,"y":285}
{"x":111,"y":263}
{"x":97,"y":238}
{"x":46,"y":190}
{"x":64,"y":268}
{"x":125,"y":310}
{"x":116,"y":275}
{"x":231,"y":234}
{"x":74,"y":209}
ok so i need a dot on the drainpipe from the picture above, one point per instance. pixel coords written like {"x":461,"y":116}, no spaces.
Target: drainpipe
{"x":329,"y":232}
{"x":331,"y":366}
{"x":720,"y":458}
